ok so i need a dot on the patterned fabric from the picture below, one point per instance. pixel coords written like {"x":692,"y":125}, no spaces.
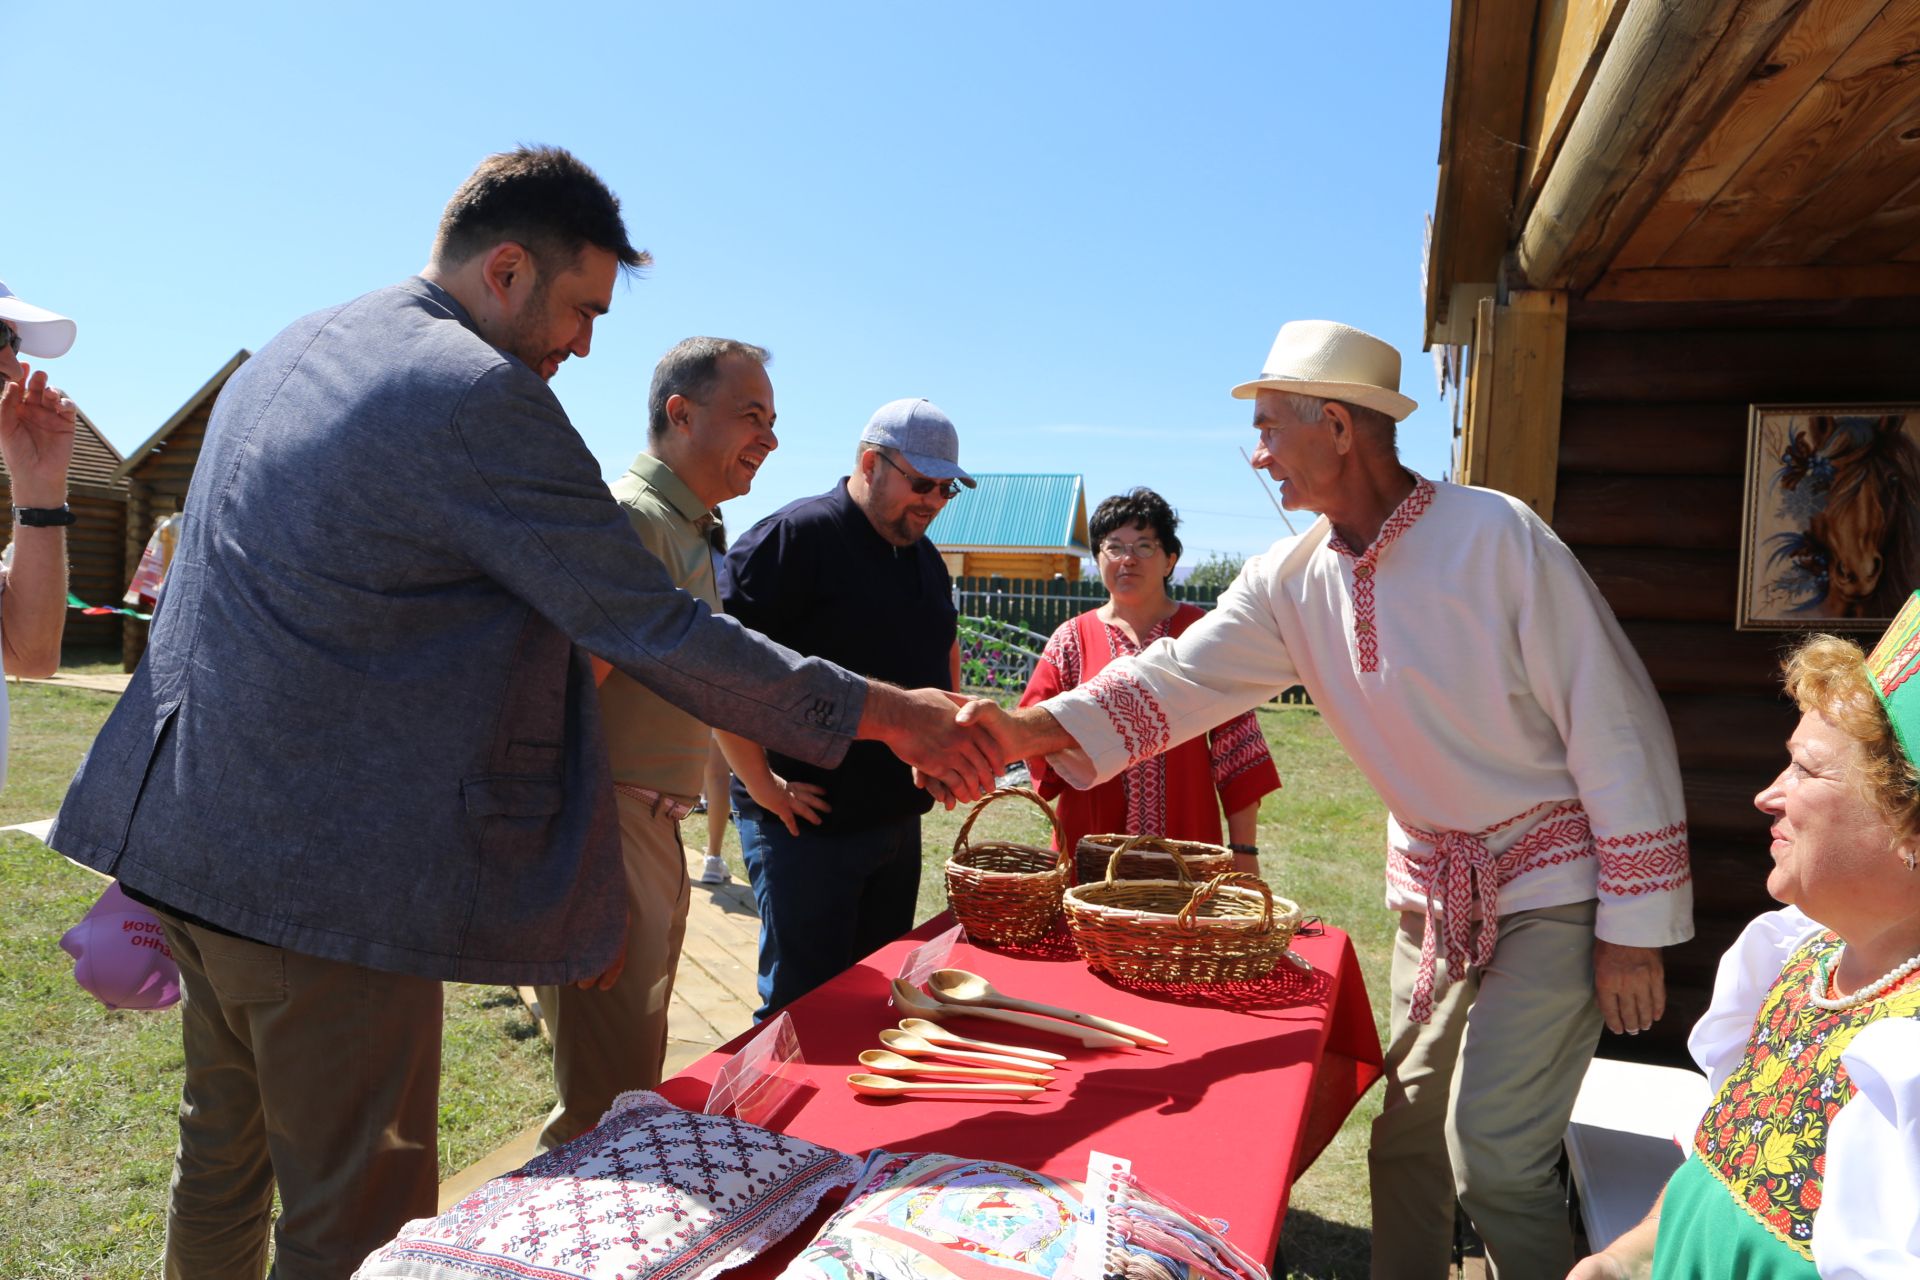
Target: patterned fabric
{"x":935,"y":1217}
{"x":1893,"y":664}
{"x":1765,"y":1136}
{"x":1366,"y":634}
{"x":652,"y":1192}
{"x":1644,"y":861}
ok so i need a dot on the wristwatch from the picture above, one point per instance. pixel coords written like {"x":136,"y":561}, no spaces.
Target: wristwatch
{"x":1244,"y":848}
{"x":44,"y":517}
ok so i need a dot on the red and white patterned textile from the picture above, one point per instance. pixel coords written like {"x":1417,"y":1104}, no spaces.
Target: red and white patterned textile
{"x":1473,"y":673}
{"x":651,"y":1193}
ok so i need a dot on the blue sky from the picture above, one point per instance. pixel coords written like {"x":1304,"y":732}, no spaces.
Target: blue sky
{"x":1072,"y":226}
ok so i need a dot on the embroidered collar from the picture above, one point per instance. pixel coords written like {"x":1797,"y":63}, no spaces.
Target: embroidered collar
{"x":1410,"y":509}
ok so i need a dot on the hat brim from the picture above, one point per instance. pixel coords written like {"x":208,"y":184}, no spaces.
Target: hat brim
{"x":44,"y":334}
{"x":1391,"y":403}
{"x":937,"y":468}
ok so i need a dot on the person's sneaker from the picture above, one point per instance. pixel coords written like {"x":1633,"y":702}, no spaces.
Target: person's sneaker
{"x":715,"y":872}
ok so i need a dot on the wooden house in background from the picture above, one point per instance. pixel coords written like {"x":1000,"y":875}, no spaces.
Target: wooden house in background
{"x":155,"y":477}
{"x":98,"y":496}
{"x":1653,"y":215}
{"x":1015,"y":526}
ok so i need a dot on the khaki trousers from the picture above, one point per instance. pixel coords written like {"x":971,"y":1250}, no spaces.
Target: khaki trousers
{"x":1478,"y":1100}
{"x":315,"y":1075}
{"x":606,"y":1042}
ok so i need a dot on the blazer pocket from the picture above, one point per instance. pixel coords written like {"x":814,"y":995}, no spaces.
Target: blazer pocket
{"x":512,"y":796}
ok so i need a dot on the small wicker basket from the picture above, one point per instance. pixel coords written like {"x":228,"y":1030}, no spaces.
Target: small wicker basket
{"x":1005,"y":892}
{"x":1229,"y":929}
{"x":1146,"y":858}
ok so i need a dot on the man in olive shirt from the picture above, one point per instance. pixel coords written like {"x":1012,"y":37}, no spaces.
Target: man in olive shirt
{"x":709,"y":428}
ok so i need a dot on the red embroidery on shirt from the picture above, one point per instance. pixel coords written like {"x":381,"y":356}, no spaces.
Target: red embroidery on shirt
{"x":1132,"y":710}
{"x":1643,"y":862}
{"x":1144,"y":785}
{"x":1366,"y":634}
{"x":1236,"y":747}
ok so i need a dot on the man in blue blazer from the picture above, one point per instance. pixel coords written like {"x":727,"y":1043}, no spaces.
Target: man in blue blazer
{"x":361,"y":755}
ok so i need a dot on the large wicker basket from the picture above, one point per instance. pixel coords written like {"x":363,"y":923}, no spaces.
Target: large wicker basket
{"x":1228,"y":929}
{"x":1145,"y":858}
{"x":1005,"y":892}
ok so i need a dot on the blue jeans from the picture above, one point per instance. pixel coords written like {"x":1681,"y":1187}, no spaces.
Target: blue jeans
{"x":825,"y":901}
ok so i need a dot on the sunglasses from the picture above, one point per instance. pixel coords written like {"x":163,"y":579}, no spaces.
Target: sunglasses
{"x":9,"y":337}
{"x":949,"y":489}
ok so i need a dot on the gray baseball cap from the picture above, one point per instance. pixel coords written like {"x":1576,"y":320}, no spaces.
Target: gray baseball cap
{"x":921,"y":434}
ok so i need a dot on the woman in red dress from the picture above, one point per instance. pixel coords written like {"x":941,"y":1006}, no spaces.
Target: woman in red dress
{"x":1181,"y":792}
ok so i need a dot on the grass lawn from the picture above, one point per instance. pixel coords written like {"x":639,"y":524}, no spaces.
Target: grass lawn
{"x":87,"y":1097}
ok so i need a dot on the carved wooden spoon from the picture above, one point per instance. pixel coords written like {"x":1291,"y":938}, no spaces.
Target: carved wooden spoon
{"x":905,"y":1042}
{"x":885,"y":1063}
{"x":910,"y":998}
{"x":940,"y":1035}
{"x":957,"y":986}
{"x":888,"y":1087}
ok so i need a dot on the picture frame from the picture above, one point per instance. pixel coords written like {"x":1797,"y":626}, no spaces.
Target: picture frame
{"x":1830,"y":521}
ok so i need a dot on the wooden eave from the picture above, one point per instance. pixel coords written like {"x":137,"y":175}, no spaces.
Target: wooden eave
{"x":156,"y":442}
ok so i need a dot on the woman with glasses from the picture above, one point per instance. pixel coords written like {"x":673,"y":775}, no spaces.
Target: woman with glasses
{"x":1181,"y":792}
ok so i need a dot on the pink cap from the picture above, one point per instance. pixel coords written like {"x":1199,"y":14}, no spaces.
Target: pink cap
{"x":120,"y":954}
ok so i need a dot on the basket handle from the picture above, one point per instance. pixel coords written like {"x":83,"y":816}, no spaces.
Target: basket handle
{"x":1025,"y":793}
{"x":1126,"y":846}
{"x":1206,"y":892}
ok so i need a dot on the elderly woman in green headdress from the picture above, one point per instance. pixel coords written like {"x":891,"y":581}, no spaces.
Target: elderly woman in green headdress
{"x":1808,"y":1161}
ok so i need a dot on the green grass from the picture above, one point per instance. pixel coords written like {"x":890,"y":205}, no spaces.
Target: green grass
{"x":87,"y":1097}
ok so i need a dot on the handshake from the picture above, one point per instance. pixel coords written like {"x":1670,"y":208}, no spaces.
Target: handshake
{"x":957,"y":745}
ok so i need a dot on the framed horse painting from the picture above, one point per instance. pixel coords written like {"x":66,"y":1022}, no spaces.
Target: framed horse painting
{"x":1830,"y":532}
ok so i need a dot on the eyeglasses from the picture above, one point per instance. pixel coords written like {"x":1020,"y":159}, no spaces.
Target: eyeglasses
{"x":10,"y":337}
{"x":1145,"y":549}
{"x":949,"y":489}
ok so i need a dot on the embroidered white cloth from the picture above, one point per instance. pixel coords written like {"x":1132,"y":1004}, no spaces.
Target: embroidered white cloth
{"x":1474,"y":674}
{"x":650,"y":1193}
{"x":1868,"y":1223}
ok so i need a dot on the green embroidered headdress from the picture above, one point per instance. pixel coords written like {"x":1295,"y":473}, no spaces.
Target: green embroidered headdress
{"x":1894,"y":665}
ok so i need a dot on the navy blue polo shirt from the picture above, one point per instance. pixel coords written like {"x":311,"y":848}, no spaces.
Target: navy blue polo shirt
{"x":815,"y":576}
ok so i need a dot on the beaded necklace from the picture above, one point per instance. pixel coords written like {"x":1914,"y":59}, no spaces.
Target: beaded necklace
{"x":1822,"y":983}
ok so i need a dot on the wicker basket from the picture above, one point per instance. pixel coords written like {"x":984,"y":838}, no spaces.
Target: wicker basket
{"x":1229,"y":929}
{"x":1146,"y":858}
{"x":1004,"y":892}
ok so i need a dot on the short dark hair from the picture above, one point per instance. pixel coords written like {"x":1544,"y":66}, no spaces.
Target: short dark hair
{"x":541,"y":197}
{"x":690,"y":370}
{"x":1138,"y":506}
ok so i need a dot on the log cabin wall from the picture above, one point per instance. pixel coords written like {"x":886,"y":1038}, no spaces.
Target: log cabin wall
{"x":157,"y":489}
{"x":1649,"y":492}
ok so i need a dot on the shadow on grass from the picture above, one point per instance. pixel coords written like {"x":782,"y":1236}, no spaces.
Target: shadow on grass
{"x":1313,"y":1248}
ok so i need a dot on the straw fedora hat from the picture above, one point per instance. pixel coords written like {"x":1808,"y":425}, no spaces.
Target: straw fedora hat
{"x":1335,"y":362}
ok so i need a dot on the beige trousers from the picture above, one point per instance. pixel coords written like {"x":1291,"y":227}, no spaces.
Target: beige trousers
{"x":318,"y":1076}
{"x":606,"y":1042}
{"x":1478,"y":1100}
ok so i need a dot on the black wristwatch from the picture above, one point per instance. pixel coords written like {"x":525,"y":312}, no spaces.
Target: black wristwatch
{"x":1245,"y":848}
{"x":44,"y":517}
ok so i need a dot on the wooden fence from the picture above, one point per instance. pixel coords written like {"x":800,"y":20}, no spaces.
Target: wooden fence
{"x":1040,"y":605}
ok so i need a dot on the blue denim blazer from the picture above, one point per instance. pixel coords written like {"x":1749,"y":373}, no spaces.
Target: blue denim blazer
{"x":362,"y":729}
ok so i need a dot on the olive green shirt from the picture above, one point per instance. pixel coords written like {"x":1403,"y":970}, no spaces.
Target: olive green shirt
{"x":651,"y":742}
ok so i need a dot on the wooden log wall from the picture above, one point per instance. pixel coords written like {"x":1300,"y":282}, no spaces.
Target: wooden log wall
{"x":1652,"y":455}
{"x":93,"y":560}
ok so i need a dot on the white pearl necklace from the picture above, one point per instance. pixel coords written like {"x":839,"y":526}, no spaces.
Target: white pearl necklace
{"x":1817,"y":994}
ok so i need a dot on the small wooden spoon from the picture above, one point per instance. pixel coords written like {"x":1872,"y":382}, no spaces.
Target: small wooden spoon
{"x":888,"y":1087}
{"x":905,"y":1042}
{"x":940,"y":1035}
{"x":910,"y":998}
{"x":957,"y":986}
{"x":883,"y":1062}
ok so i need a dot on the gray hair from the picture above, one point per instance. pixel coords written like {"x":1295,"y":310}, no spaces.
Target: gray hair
{"x":1311,"y":409}
{"x":690,"y":370}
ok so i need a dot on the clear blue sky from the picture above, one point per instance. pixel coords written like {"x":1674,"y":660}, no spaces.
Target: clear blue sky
{"x":1072,"y":226}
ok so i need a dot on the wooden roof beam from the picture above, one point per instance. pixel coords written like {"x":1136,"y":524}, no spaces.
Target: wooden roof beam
{"x":1669,"y":72}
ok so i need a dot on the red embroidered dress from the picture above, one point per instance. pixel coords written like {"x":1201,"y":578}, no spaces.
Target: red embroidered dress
{"x":1170,"y":794}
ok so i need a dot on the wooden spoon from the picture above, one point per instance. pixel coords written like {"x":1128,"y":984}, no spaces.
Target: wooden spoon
{"x":913,"y":1046}
{"x":888,"y":1087}
{"x":910,"y":998}
{"x":885,"y":1063}
{"x":957,"y":986}
{"x":940,"y":1035}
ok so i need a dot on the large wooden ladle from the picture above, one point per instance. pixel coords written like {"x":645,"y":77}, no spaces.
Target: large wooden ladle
{"x":912,"y":1046}
{"x":957,"y":986}
{"x":910,"y":998}
{"x":886,"y":1063}
{"x":888,"y":1087}
{"x":940,"y":1035}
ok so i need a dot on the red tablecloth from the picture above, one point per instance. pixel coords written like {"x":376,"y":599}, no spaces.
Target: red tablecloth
{"x":1252,"y":1088}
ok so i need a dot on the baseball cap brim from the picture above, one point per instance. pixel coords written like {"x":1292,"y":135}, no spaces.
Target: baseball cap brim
{"x":44,"y":334}
{"x":938,"y":468}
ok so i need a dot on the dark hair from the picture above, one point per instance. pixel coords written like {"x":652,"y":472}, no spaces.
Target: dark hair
{"x":690,"y":370}
{"x":540,"y":197}
{"x":1138,"y":506}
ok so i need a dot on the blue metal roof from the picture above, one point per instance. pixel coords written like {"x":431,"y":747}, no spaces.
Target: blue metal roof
{"x":1038,"y":512}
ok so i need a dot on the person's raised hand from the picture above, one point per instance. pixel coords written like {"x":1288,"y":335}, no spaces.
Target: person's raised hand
{"x":36,"y":439}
